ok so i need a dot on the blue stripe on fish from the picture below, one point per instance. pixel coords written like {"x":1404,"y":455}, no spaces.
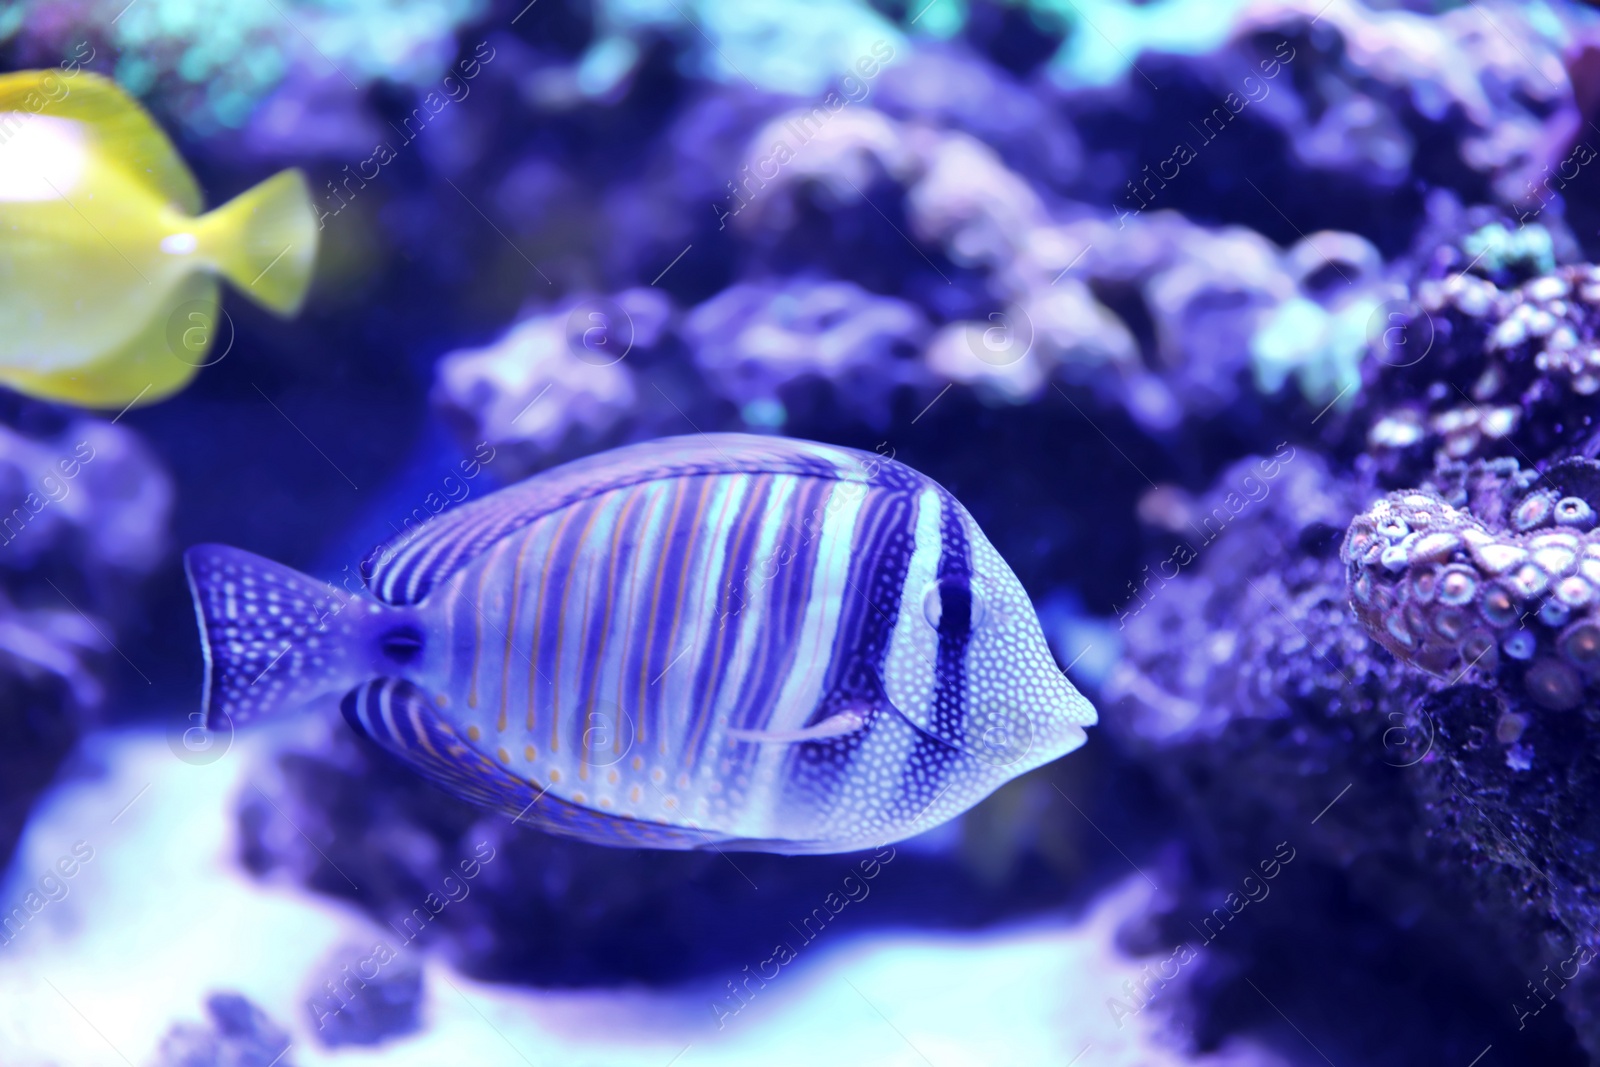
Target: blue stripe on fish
{"x":819,"y":776}
{"x":774,"y":593}
{"x":737,"y":552}
{"x":934,"y":753}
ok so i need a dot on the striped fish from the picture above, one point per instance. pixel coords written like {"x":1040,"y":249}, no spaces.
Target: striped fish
{"x":719,"y":640}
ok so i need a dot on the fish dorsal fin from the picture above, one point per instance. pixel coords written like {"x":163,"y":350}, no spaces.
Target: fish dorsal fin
{"x":405,"y":569}
{"x":400,"y":717}
{"x":122,"y":131}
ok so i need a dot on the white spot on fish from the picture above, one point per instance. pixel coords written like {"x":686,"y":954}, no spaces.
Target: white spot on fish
{"x":178,"y":244}
{"x":41,"y":158}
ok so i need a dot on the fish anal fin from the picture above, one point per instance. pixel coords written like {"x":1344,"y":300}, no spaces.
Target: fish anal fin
{"x":402,"y":718}
{"x":848,"y":721}
{"x":397,"y":714}
{"x":145,"y":368}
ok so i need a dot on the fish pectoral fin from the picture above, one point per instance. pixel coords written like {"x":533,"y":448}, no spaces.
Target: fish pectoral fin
{"x":845,"y":722}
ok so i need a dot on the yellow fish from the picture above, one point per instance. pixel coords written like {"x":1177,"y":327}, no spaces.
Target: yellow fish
{"x":108,"y":289}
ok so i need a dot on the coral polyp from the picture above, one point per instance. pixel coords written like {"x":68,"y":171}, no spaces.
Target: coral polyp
{"x":1443,"y":587}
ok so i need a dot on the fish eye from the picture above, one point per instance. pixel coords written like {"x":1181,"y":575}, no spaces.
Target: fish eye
{"x":402,"y":644}
{"x":954,"y":605}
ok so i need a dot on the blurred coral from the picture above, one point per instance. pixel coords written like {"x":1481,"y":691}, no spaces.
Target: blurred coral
{"x":86,"y":509}
{"x":83,"y":521}
{"x":556,"y":378}
{"x":240,"y":1035}
{"x":218,"y":60}
{"x":750,"y":342}
{"x":786,"y":46}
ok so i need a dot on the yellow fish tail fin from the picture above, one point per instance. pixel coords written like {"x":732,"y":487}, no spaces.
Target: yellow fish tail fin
{"x":265,"y":241}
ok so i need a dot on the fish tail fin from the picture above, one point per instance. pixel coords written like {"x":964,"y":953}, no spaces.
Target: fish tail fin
{"x":273,"y":638}
{"x":265,"y":241}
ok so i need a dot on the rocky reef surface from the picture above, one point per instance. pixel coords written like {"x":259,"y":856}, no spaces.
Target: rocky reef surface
{"x":84,"y":506}
{"x":1263,"y":337}
{"x":1422,"y":658}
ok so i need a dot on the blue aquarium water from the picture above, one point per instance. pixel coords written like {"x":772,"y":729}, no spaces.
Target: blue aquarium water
{"x":696,"y":533}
